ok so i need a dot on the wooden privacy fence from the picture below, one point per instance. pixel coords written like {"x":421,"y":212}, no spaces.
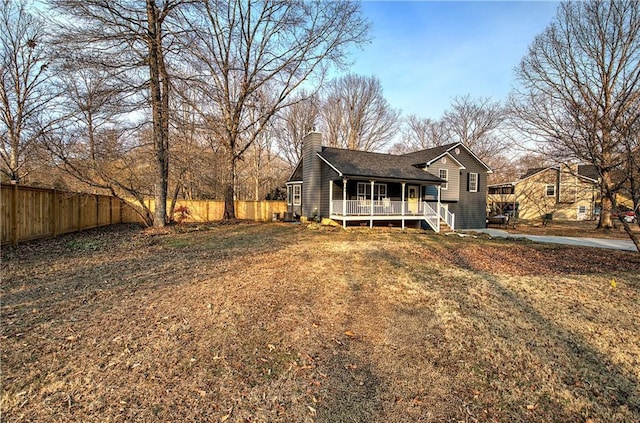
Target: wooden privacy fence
{"x":29,"y":213}
{"x":213,"y":210}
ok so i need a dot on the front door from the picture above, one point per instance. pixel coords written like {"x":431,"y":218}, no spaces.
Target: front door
{"x":412,"y":199}
{"x":582,"y":213}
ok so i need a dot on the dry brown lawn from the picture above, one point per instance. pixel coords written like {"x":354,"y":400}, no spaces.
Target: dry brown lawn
{"x":281,"y":322}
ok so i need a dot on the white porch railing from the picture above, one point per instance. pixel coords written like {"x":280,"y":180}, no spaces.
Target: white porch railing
{"x":386,"y":207}
{"x":380,"y":208}
{"x":431,"y":216}
{"x":448,"y":217}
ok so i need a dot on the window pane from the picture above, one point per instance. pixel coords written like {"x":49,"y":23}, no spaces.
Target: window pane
{"x":473,"y":182}
{"x":444,"y":174}
{"x":297,"y":195}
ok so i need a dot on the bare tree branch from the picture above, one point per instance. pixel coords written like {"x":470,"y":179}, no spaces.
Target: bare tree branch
{"x":580,"y":88}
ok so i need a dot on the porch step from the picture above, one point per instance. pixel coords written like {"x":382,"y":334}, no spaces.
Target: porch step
{"x":444,"y":227}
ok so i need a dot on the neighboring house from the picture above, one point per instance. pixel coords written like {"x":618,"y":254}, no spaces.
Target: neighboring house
{"x":567,"y":193}
{"x":434,"y":187}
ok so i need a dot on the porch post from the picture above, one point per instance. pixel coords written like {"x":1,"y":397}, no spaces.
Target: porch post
{"x":402,"y":213}
{"x":371,"y":211}
{"x":438,"y":211}
{"x":330,"y":199}
{"x":344,"y":203}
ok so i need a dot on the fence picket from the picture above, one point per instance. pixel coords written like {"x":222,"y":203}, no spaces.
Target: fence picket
{"x":31,"y":212}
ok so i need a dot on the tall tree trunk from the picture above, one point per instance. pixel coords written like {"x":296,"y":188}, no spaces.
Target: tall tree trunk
{"x":605,"y":214}
{"x":158,"y":85}
{"x":229,"y":191}
{"x":174,"y":200}
{"x":607,"y":203}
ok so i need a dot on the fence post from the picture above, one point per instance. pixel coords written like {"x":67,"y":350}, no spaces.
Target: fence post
{"x":14,"y":214}
{"x":79,"y":197}
{"x":97,"y":197}
{"x":54,"y":212}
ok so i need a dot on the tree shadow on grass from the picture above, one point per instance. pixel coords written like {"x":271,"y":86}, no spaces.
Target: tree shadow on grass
{"x":572,"y":380}
{"x":354,"y":390}
{"x":60,"y":282}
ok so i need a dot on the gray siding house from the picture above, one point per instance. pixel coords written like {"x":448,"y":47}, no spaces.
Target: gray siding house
{"x":436,"y":188}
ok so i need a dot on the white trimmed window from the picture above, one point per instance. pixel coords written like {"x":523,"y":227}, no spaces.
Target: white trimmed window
{"x":289,"y":194}
{"x":297,"y":195}
{"x":582,"y":209}
{"x":444,"y":174}
{"x":550,"y":190}
{"x":473,"y":182}
{"x":364,"y":191}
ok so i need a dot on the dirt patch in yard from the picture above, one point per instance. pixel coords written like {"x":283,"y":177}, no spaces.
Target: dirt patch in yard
{"x":277,"y":322}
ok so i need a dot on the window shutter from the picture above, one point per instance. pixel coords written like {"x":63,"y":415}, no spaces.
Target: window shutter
{"x":468,"y":179}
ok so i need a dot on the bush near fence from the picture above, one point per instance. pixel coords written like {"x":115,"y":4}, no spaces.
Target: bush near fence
{"x":30,"y":212}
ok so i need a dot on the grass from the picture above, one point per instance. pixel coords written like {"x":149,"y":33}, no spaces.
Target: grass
{"x":276,"y":322}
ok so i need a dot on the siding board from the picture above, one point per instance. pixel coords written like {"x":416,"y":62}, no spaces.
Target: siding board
{"x":470,"y":209}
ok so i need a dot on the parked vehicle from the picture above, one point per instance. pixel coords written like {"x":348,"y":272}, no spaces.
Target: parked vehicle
{"x":628,"y":216}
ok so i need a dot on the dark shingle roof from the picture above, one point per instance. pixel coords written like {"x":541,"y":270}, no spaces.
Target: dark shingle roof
{"x":425,"y":156}
{"x":588,"y":171}
{"x":533,"y":171}
{"x":375,"y":165}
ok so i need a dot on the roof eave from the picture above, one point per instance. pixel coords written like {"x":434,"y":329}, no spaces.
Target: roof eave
{"x":446,"y":153}
{"x":395,"y":178}
{"x":459,"y":144}
{"x":329,"y":164}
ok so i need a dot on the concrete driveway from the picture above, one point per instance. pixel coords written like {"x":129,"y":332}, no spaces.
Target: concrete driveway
{"x":614,"y":244}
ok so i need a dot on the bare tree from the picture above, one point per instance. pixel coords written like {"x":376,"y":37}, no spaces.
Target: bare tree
{"x":631,"y":188}
{"x":255,"y":55}
{"x":475,"y":123}
{"x":580,"y":84}
{"x":293,"y":123}
{"x":26,"y":93}
{"x":356,"y":115}
{"x":131,"y":41}
{"x":420,"y":133}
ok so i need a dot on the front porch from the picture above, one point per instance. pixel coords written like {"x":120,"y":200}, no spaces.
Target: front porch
{"x":368,"y":201}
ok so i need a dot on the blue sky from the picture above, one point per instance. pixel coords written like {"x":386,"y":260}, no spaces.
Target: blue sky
{"x":425,"y":53}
